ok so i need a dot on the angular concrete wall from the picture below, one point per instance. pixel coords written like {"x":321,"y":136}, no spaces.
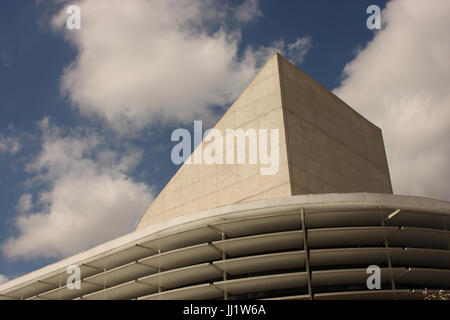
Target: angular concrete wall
{"x":325,"y":146}
{"x":331,"y":147}
{"x":197,"y":187}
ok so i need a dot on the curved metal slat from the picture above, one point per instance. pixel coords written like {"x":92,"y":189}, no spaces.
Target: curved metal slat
{"x":440,"y":278}
{"x":183,"y":257}
{"x":351,"y":276}
{"x":181,"y":239}
{"x":198,"y":292}
{"x":121,"y":274}
{"x":259,"y":225}
{"x":368,"y":295}
{"x":183,"y":276}
{"x":352,"y":256}
{"x":352,"y":236}
{"x":345,"y":218}
{"x":267,"y":262}
{"x":419,"y":220}
{"x":64,"y":293}
{"x":419,"y":257}
{"x":264,"y":283}
{"x":261,"y":243}
{"x":297,"y":297}
{"x":420,"y":238}
{"x":124,"y":291}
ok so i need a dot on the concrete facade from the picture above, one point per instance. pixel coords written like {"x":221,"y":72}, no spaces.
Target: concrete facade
{"x":325,"y":146}
{"x":331,"y":147}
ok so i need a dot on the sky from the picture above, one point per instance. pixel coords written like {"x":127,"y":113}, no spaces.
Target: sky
{"x":86,"y":114}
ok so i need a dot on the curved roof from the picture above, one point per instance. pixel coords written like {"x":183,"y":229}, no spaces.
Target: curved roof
{"x":262,"y":236}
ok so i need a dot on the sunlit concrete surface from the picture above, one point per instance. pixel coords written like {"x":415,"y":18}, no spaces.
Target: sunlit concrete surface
{"x":325,"y":146}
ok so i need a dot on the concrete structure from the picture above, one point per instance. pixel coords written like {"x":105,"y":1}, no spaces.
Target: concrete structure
{"x":297,"y":247}
{"x":325,"y":146}
{"x":307,"y":232}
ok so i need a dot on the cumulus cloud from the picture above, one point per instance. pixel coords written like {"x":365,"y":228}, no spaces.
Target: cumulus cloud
{"x":143,"y":62}
{"x":401,"y":82}
{"x":3,"y":279}
{"x":9,"y":145}
{"x":138,"y":63}
{"x":90,"y":197}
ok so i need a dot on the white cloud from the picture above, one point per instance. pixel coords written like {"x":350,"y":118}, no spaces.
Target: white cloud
{"x":401,"y":81}
{"x":143,"y":62}
{"x":90,"y":198}
{"x":9,"y":145}
{"x":138,"y":63}
{"x":3,"y":279}
{"x":25,"y":203}
{"x":247,"y":11}
{"x":295,"y":51}
{"x":298,"y":49}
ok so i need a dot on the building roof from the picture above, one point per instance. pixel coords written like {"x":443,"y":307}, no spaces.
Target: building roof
{"x":324,"y":147}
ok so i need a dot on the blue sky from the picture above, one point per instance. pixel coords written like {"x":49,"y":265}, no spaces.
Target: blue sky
{"x":75,"y":103}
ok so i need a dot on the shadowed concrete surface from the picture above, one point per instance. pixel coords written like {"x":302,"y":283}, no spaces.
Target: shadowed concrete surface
{"x":331,"y":147}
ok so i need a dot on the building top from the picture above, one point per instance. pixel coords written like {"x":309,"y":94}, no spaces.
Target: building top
{"x":324,"y":146}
